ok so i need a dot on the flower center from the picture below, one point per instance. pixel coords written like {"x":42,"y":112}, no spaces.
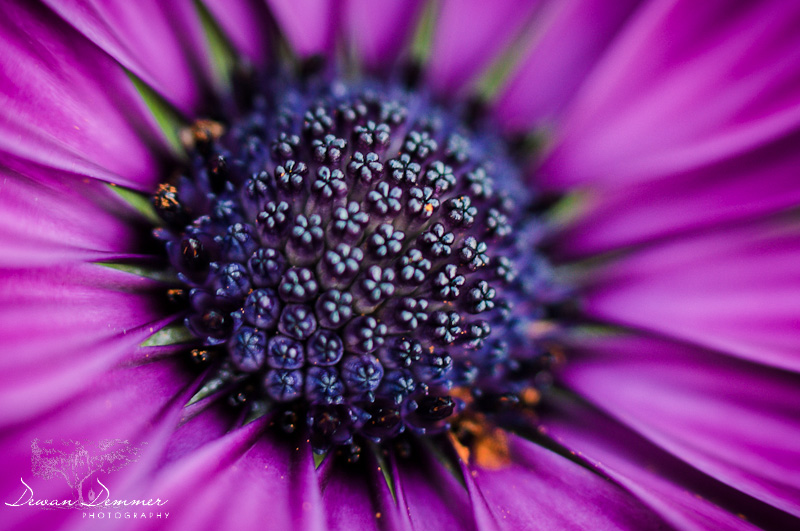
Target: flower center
{"x":361,"y":260}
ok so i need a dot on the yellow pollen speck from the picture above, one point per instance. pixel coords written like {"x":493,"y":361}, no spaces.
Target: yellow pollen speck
{"x":201,"y":131}
{"x":377,"y":515}
{"x":487,"y":446}
{"x":428,"y":207}
{"x":530,"y":396}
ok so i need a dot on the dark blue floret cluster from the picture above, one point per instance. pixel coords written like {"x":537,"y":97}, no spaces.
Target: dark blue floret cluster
{"x":351,"y":257}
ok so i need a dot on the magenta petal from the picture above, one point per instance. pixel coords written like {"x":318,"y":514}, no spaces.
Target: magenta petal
{"x":160,"y":42}
{"x":62,"y":326}
{"x":378,"y":30}
{"x":124,"y":403}
{"x":357,"y":496}
{"x":736,"y":291}
{"x":682,"y":88}
{"x":67,"y":105}
{"x":469,"y":34}
{"x":549,"y":491}
{"x":60,"y":218}
{"x":201,"y":423}
{"x":680,"y":494}
{"x":431,"y":495}
{"x":735,"y":421}
{"x":759,"y":182}
{"x":266,"y":484}
{"x":574,"y":37}
{"x":309,"y":25}
{"x":245,"y":24}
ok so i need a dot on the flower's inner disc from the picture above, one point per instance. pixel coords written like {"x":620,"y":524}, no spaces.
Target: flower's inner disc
{"x":358,"y":260}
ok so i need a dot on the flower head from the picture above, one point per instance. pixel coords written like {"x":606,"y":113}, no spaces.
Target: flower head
{"x":412,"y":265}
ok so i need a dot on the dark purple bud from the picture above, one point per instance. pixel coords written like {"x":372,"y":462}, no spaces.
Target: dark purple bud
{"x":473,"y":254}
{"x":411,"y":313}
{"x":440,"y":177}
{"x":435,"y":408}
{"x":298,"y":284}
{"x":445,"y":326}
{"x":262,"y":308}
{"x":447,"y":283}
{"x":231,"y":282}
{"x":420,"y":145}
{"x":385,"y":242}
{"x":385,"y":200}
{"x":290,"y":176}
{"x":238,"y":243}
{"x":323,"y":385}
{"x":364,"y":334}
{"x":365,"y":168}
{"x":330,"y":184}
{"x":334,"y":308}
{"x":362,"y":374}
{"x":413,"y":267}
{"x":398,"y":384}
{"x":247,"y":349}
{"x":274,"y":220}
{"x":282,"y":385}
{"x":266,"y":267}
{"x":328,"y":149}
{"x":324,"y":347}
{"x":477,"y":333}
{"x":401,"y":352}
{"x":285,"y":353}
{"x":306,"y":239}
{"x":422,"y":203}
{"x":372,"y":135}
{"x":317,"y":121}
{"x":479,"y":184}
{"x":297,"y":321}
{"x":480,"y":297}
{"x":404,"y":170}
{"x":285,"y":147}
{"x":349,"y":223}
{"x":376,"y":284}
{"x":460,"y":211}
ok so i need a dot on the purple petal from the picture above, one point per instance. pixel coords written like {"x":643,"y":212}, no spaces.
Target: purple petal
{"x":245,"y":24}
{"x":160,"y":42}
{"x":682,"y":88}
{"x":201,"y":423}
{"x":62,"y":220}
{"x":430,"y":494}
{"x":67,"y":105}
{"x":733,"y":420}
{"x":357,"y":496}
{"x":469,"y":34}
{"x":309,"y":25}
{"x":62,"y":326}
{"x":379,"y":30}
{"x":265,"y":482}
{"x":735,"y":291}
{"x":681,"y":495}
{"x":124,"y":403}
{"x":574,"y":36}
{"x":753,"y":184}
{"x":549,"y":491}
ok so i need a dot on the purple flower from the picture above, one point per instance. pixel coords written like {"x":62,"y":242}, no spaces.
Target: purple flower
{"x":568,"y":294}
